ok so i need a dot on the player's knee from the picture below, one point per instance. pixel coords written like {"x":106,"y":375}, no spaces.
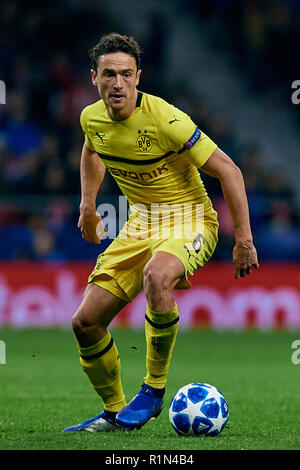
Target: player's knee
{"x":156,"y":277}
{"x":86,"y":329}
{"x":83,"y":327}
{"x":79,"y":325}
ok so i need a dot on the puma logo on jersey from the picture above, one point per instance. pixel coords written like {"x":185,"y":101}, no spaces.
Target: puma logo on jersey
{"x":171,"y":122}
{"x":144,"y":176}
{"x":100,"y":137}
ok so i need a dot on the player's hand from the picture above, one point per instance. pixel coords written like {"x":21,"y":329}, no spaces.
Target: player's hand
{"x":87,"y":223}
{"x":244,"y":259}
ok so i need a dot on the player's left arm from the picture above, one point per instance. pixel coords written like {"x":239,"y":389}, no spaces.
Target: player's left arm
{"x":220,"y":166}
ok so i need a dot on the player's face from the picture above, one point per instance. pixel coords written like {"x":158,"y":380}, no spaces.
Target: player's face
{"x":116,"y":79}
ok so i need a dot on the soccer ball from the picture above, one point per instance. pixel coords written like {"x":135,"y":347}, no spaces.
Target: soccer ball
{"x":197,"y":409}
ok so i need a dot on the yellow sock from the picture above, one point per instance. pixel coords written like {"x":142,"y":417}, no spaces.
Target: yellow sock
{"x":101,"y":363}
{"x":161,"y":331}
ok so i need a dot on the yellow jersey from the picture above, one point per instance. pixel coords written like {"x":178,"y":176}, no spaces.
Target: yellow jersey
{"x":154,"y":154}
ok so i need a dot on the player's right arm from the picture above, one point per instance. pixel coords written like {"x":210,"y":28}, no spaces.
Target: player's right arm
{"x":92,"y":171}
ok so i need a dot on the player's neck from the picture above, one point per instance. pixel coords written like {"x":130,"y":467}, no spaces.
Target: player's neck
{"x":125,"y":113}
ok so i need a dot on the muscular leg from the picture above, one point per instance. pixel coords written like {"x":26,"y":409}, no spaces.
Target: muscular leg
{"x":98,"y":353}
{"x":161,"y":275}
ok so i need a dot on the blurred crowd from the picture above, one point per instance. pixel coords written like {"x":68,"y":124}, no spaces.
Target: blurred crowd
{"x":44,"y":63}
{"x":263,"y":38}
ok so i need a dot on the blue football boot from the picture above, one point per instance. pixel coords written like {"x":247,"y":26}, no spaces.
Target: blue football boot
{"x":147,"y":404}
{"x":103,"y":422}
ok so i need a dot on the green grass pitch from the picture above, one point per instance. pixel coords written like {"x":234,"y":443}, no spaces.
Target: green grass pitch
{"x":44,"y":390}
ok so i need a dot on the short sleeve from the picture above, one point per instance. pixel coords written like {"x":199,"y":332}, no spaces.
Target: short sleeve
{"x":84,"y":126}
{"x":179,"y":133}
{"x":200,"y":151}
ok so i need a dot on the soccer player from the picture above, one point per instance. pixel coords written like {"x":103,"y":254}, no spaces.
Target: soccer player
{"x":154,"y":151}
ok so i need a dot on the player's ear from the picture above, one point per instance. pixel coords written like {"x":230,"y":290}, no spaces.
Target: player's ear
{"x":94,"y":77}
{"x":138,"y":74}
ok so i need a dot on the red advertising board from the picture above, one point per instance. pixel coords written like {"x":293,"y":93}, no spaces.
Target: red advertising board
{"x":48,"y":294}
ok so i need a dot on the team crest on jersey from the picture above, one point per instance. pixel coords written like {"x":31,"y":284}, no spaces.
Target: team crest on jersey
{"x":143,"y":142}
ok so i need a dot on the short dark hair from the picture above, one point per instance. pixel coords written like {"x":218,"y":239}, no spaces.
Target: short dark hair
{"x":115,"y":42}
